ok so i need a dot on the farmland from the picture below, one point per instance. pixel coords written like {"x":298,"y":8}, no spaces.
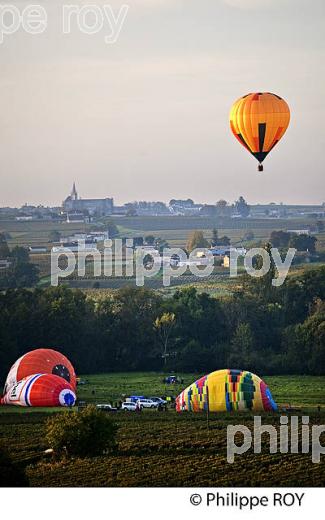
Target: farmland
{"x":174,"y":230}
{"x":168,"y":449}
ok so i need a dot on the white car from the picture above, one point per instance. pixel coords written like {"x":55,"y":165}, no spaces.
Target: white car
{"x":106,"y":408}
{"x":148,"y":403}
{"x":129,"y":406}
{"x":158,"y":400}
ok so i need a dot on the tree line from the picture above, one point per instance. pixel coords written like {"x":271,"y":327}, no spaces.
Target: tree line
{"x":261,"y":328}
{"x":21,"y":272}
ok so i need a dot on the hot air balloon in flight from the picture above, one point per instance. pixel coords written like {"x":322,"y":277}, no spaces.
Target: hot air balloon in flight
{"x":40,"y":390}
{"x":41,"y":361}
{"x":225,"y":391}
{"x":259,"y":121}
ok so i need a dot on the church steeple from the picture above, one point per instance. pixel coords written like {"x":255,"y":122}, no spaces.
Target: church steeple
{"x":74,"y":193}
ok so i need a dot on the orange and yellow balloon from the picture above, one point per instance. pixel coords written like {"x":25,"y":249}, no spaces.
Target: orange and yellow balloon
{"x":259,"y":121}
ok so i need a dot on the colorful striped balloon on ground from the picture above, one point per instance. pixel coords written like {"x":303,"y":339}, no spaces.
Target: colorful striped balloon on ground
{"x":40,"y":390}
{"x":226,"y":390}
{"x":259,"y":121}
{"x":41,"y":361}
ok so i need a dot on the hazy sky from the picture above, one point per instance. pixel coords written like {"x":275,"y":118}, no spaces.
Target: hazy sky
{"x":147,"y":118}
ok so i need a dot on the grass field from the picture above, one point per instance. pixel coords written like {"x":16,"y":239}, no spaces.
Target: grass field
{"x":168,"y":449}
{"x":173,"y":229}
{"x":37,"y":233}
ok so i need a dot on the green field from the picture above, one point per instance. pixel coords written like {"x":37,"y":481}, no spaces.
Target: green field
{"x":173,"y":229}
{"x":166,"y":448}
{"x":304,"y":391}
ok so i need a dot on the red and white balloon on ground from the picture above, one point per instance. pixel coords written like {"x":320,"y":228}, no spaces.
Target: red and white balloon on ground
{"x":40,"y":390}
{"x":41,"y":361}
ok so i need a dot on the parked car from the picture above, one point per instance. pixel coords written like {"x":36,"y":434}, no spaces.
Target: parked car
{"x":158,"y":400}
{"x":148,"y":403}
{"x":106,"y":408}
{"x":171,"y":380}
{"x":135,"y":398}
{"x":129,"y":406}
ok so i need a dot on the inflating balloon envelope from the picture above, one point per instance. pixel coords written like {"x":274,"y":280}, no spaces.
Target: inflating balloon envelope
{"x":40,"y":390}
{"x":41,"y":361}
{"x":226,"y":391}
{"x":41,"y":377}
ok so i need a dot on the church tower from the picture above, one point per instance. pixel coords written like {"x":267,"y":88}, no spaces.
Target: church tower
{"x":74,"y":193}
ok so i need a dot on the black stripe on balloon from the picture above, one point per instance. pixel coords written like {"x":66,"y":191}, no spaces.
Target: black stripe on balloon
{"x":261,"y":135}
{"x":275,"y":95}
{"x":243,"y":141}
{"x":260,"y":156}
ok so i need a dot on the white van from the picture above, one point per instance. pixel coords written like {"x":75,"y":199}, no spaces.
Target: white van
{"x":148,"y":403}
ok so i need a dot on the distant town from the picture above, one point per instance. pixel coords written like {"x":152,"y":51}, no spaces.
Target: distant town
{"x":75,"y":209}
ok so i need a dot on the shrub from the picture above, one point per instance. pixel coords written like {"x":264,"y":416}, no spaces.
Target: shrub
{"x":85,"y":434}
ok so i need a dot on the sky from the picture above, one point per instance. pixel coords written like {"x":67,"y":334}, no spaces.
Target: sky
{"x":147,"y":117}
